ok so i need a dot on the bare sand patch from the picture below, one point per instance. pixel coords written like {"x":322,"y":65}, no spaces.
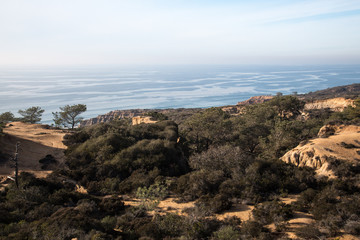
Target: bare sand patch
{"x":36,"y":141}
{"x":242,"y":211}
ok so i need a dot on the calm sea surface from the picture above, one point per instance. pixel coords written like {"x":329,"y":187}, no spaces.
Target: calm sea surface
{"x":104,"y":89}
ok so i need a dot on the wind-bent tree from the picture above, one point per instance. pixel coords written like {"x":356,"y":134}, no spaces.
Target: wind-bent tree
{"x":32,"y":114}
{"x":69,"y":115}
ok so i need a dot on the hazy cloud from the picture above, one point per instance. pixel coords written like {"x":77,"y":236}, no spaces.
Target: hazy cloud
{"x":179,"y":31}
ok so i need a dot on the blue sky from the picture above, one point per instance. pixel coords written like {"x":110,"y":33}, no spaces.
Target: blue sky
{"x":81,"y":32}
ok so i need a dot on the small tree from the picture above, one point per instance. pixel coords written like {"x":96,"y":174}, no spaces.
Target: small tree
{"x":69,"y":115}
{"x":6,"y":117}
{"x":32,"y":114}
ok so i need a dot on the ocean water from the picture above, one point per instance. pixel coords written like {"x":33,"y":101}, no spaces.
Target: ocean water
{"x":104,"y":89}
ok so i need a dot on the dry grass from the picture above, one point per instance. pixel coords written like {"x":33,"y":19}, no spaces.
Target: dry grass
{"x":36,"y":141}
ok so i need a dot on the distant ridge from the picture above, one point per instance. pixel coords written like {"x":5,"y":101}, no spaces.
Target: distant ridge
{"x":176,"y":115}
{"x":347,"y":92}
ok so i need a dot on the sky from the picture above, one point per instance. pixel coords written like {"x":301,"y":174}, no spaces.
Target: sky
{"x":113,"y":32}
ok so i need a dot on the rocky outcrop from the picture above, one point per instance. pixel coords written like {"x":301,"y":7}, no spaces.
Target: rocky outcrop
{"x":333,"y":104}
{"x":240,"y":106}
{"x":328,"y":130}
{"x":255,"y":100}
{"x":117,"y":114}
{"x":141,"y":119}
{"x":342,"y":144}
{"x":177,"y":115}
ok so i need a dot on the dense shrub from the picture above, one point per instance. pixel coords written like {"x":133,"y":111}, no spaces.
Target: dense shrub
{"x":112,"y":205}
{"x":209,"y":127}
{"x":198,"y":183}
{"x":169,"y":225}
{"x":117,"y":157}
{"x":308,"y":232}
{"x":215,"y":204}
{"x":269,"y":212}
{"x":252,"y":229}
{"x":229,"y":159}
{"x":305,"y":200}
{"x":352,"y":226}
{"x":226,"y":233}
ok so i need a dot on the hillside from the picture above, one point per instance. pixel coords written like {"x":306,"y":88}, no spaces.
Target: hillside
{"x":347,"y":91}
{"x":176,"y":115}
{"x":210,"y":175}
{"x":342,"y":145}
{"x":36,"y":142}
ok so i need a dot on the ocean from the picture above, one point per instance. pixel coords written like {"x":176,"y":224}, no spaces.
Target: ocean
{"x":105,"y":88}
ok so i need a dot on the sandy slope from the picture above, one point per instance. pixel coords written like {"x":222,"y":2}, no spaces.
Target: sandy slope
{"x":36,"y":141}
{"x":318,"y":151}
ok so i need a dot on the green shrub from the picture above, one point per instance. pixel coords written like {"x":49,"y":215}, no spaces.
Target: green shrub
{"x":201,"y":228}
{"x":157,"y":116}
{"x":109,"y":223}
{"x":154,"y":192}
{"x":268,"y":212}
{"x":47,"y":161}
{"x":252,"y":229}
{"x":112,"y":205}
{"x":331,"y":225}
{"x":305,"y":199}
{"x":151,"y":196}
{"x":229,"y":159}
{"x":86,"y":207}
{"x":42,"y":211}
{"x":198,"y":183}
{"x":215,"y":204}
{"x":352,"y":227}
{"x":308,"y":232}
{"x":226,"y":233}
{"x":169,"y":225}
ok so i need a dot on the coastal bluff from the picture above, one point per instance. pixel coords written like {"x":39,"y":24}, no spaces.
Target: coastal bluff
{"x":334,"y":104}
{"x":334,"y":99}
{"x":173,"y":114}
{"x":334,"y":142}
{"x":116,"y":114}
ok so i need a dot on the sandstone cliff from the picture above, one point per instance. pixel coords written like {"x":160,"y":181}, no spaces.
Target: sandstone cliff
{"x":334,"y":99}
{"x":238,"y":108}
{"x":176,"y":115}
{"x":117,"y":114}
{"x":140,"y":119}
{"x":333,"y":104}
{"x":342,"y":144}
